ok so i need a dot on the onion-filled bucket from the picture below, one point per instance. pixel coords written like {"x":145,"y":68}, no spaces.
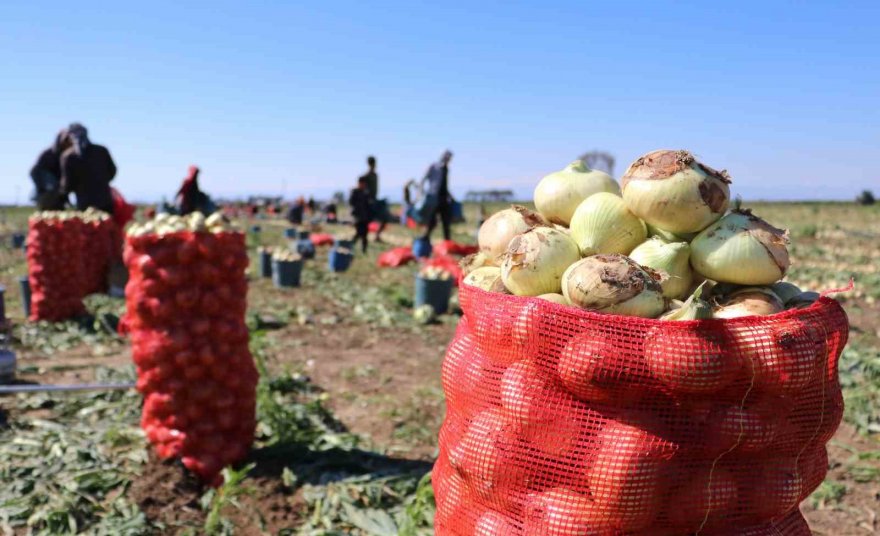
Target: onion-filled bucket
{"x":433,"y":292}
{"x":304,"y":234}
{"x":265,"y":263}
{"x":289,"y":233}
{"x":305,"y":248}
{"x":25,"y":284}
{"x":422,"y":248}
{"x":17,"y":240}
{"x":343,"y":243}
{"x":286,"y":274}
{"x":339,"y":259}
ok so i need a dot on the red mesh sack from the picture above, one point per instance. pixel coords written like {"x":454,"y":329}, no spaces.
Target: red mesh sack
{"x":322,"y":239}
{"x":123,"y":211}
{"x":186,"y":301}
{"x":395,"y":257}
{"x":451,"y":247}
{"x":55,"y":270}
{"x":566,"y":422}
{"x":100,"y":247}
{"x":446,"y":263}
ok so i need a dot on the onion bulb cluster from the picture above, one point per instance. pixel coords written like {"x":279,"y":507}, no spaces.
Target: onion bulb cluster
{"x":641,"y":248}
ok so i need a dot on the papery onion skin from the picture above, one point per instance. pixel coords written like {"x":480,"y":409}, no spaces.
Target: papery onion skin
{"x":473,"y":261}
{"x":613,"y":284}
{"x":535,"y":261}
{"x":487,"y":278}
{"x":603,"y":225}
{"x":497,"y":232}
{"x":558,"y":194}
{"x":671,"y":190}
{"x":741,"y":248}
{"x":749,"y":301}
{"x":671,"y":258}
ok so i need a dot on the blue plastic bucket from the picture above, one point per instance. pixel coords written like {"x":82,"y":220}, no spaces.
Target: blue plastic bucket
{"x":434,"y":292}
{"x":422,"y":248}
{"x":339,"y":261}
{"x":305,"y":248}
{"x":25,"y":284}
{"x":290,"y":233}
{"x":286,"y":273}
{"x":266,"y":263}
{"x":17,"y":240}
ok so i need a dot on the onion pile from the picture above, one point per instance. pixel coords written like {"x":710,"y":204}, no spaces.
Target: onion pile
{"x":665,"y":231}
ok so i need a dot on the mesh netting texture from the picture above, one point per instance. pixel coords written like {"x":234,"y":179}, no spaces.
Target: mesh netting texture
{"x":67,"y":260}
{"x":566,"y":422}
{"x":186,"y":300}
{"x":56,"y":268}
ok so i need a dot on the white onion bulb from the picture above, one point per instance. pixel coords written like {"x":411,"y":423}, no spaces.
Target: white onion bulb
{"x":497,"y":232}
{"x":535,"y":261}
{"x":559,"y":194}
{"x":613,"y":284}
{"x":669,"y":258}
{"x":602,"y":224}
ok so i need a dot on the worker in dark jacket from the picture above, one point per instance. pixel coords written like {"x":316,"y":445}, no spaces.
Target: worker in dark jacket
{"x":86,"y":170}
{"x":359,"y":200}
{"x":437,"y":180}
{"x":46,"y":175}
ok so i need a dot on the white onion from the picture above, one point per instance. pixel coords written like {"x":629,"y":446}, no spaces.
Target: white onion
{"x":487,"y":278}
{"x":602,"y":224}
{"x":749,"y":301}
{"x":559,"y":194}
{"x":671,"y":190}
{"x":555,"y":298}
{"x":741,"y":248}
{"x":669,"y":258}
{"x":497,"y":232}
{"x":613,"y":284}
{"x":535,"y":261}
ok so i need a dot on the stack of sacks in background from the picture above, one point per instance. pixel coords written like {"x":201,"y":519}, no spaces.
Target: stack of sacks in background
{"x":186,"y":301}
{"x":55,"y":269}
{"x":69,"y":257}
{"x":572,"y":409}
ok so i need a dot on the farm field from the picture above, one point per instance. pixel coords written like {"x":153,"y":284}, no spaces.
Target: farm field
{"x":349,"y":401}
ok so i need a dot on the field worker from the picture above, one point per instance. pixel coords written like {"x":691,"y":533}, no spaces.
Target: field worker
{"x":437,"y":179}
{"x":46,"y":175}
{"x":378,"y":208}
{"x":86,"y":170}
{"x":187,"y":199}
{"x":359,"y":200}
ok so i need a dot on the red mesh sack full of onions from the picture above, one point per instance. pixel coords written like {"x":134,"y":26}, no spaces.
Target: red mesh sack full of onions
{"x":631,"y":362}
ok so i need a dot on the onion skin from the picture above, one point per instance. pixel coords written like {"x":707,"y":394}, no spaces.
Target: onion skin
{"x":487,"y":278}
{"x":497,"y":232}
{"x":671,"y":190}
{"x":558,"y":194}
{"x":603,"y":224}
{"x":671,"y":258}
{"x":613,"y":284}
{"x":535,"y":261}
{"x":750,"y":301}
{"x":741,"y":248}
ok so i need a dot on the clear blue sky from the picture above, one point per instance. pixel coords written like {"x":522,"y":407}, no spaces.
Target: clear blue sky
{"x":785,"y":95}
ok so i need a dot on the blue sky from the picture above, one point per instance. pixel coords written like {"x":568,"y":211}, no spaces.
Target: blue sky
{"x":272,"y":97}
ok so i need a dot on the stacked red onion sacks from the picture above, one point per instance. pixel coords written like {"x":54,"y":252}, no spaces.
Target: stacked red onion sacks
{"x":100,"y":247}
{"x":186,"y":301}
{"x":635,"y":366}
{"x":55,"y":271}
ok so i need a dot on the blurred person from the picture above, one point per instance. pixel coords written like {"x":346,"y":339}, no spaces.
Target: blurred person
{"x":87,"y":170}
{"x":190,"y":198}
{"x":359,"y":201}
{"x":46,"y":175}
{"x":296,"y":211}
{"x":378,"y":207}
{"x":437,"y":185}
{"x":407,"y":201}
